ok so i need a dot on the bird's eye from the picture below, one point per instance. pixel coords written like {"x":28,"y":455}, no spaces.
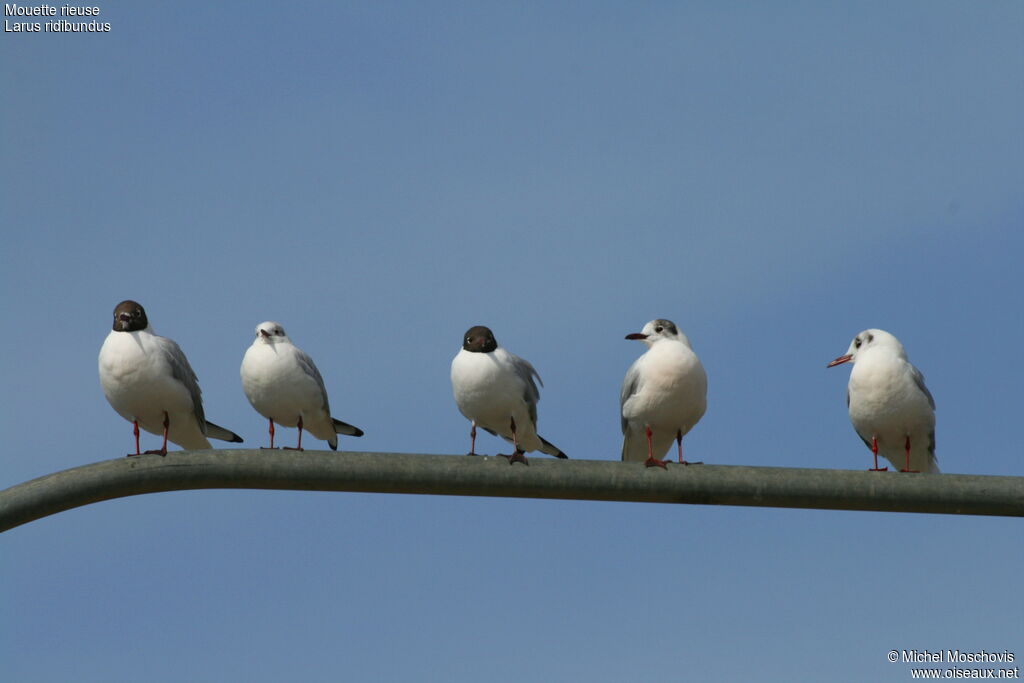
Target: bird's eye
{"x":659,"y":328}
{"x":856,"y":343}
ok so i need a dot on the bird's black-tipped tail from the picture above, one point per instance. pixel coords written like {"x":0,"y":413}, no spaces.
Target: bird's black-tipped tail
{"x":346,"y":429}
{"x":217,"y":432}
{"x":551,"y":449}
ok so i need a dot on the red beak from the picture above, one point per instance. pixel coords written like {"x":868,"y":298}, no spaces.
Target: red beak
{"x":264,"y":333}
{"x":636,"y":335}
{"x":840,"y":360}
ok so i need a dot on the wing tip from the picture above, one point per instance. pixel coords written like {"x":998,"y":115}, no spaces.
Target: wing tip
{"x":215,"y":431}
{"x":346,"y":429}
{"x":552,"y":449}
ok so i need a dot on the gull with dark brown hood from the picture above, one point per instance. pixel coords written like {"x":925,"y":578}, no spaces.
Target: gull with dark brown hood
{"x":148,"y":380}
{"x":495,"y":389}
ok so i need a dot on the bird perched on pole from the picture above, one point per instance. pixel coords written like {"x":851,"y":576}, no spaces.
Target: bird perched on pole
{"x":149,"y":382}
{"x":890,"y":407}
{"x":495,"y":390}
{"x":283,"y":384}
{"x":664,"y":394}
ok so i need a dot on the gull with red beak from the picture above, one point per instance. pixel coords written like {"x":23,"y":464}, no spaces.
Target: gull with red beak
{"x":664,"y":394}
{"x":495,"y":389}
{"x":147,"y":379}
{"x":891,"y":409}
{"x":283,"y":384}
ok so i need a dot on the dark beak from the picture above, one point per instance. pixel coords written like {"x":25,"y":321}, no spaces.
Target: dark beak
{"x":636,"y":335}
{"x":839,"y":361}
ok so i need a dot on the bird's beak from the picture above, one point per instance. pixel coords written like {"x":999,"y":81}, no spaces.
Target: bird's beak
{"x":636,"y":335}
{"x":264,"y":334}
{"x":840,"y":360}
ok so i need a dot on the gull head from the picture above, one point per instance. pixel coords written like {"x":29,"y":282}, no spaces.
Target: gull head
{"x":479,"y":339}
{"x":870,"y":341}
{"x":659,"y":329}
{"x":130,"y":316}
{"x":271,"y":333}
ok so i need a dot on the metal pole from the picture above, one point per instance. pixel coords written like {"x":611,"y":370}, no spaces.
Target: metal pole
{"x":460,"y":475}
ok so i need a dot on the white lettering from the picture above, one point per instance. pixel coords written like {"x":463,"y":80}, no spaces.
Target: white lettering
{"x":14,"y":10}
{"x":20,"y":27}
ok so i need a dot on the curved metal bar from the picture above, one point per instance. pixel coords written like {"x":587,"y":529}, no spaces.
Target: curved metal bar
{"x":459,"y":475}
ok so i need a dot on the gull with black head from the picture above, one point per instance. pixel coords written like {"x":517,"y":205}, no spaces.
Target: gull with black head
{"x":495,"y":390}
{"x":890,"y":407}
{"x":664,"y":394}
{"x":284,"y":385}
{"x":148,"y":380}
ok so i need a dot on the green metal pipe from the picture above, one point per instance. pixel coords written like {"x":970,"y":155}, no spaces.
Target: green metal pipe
{"x":460,"y":475}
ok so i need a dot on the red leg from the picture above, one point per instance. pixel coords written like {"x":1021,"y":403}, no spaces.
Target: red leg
{"x":299,"y":446}
{"x":270,"y":429}
{"x":679,"y":443}
{"x":135,"y":430}
{"x":517,"y":454}
{"x":651,"y":461}
{"x":167,"y":426}
{"x":163,"y":449}
{"x":907,"y":446}
{"x":874,"y":450}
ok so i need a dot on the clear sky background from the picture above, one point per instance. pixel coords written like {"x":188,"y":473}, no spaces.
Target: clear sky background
{"x":378,"y":177}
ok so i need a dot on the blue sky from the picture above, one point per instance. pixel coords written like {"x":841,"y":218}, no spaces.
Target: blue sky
{"x":378,"y":177}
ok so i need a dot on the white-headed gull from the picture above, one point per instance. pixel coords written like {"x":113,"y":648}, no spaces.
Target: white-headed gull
{"x":890,"y":407}
{"x":283,"y":384}
{"x":148,"y":381}
{"x":664,"y":394}
{"x":495,"y":390}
